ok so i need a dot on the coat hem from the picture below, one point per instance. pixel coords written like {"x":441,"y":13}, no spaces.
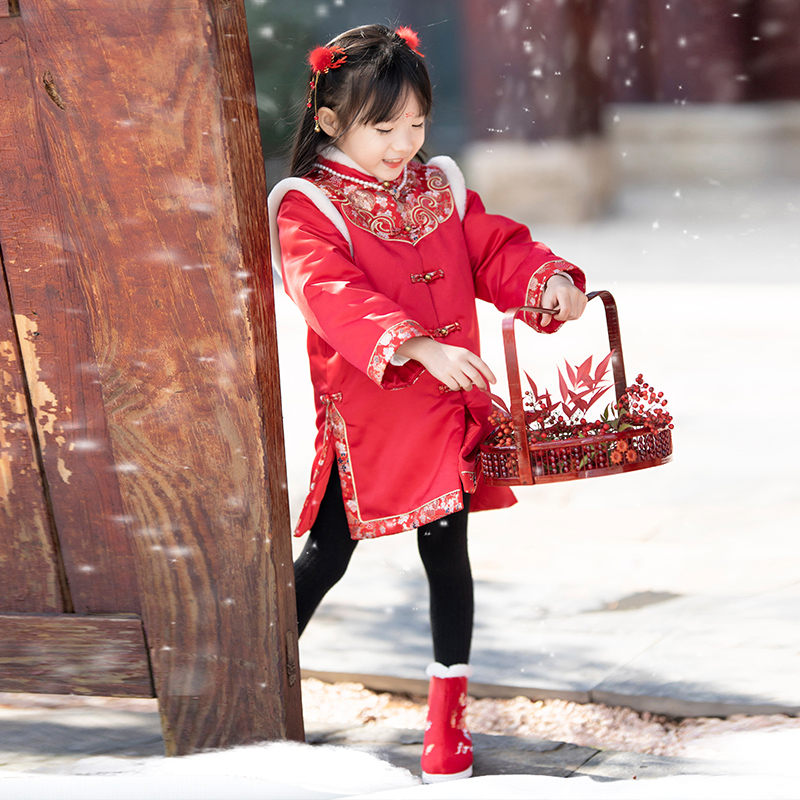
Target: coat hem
{"x":439,"y":507}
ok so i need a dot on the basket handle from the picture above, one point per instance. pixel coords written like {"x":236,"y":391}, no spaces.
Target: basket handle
{"x":515,"y":385}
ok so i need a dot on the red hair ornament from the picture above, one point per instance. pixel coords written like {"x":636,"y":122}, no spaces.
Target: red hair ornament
{"x":411,"y":39}
{"x":322,"y":60}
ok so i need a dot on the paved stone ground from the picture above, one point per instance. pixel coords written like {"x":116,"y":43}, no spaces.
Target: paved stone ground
{"x":511,"y":755}
{"x":56,"y":740}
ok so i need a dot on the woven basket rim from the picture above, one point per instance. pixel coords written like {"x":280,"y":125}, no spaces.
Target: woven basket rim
{"x":578,"y":441}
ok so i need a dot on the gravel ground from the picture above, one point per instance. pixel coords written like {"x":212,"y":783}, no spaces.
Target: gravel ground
{"x":589,"y":725}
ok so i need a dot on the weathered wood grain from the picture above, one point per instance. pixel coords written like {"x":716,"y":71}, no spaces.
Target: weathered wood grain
{"x":240,"y":112}
{"x":30,"y":575}
{"x":74,"y":654}
{"x":147,"y":110}
{"x":57,"y":354}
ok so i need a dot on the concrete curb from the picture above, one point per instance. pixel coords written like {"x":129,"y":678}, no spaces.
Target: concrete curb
{"x":668,"y":706}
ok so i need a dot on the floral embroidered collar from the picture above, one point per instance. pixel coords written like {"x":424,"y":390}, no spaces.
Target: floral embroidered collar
{"x":405,"y":210}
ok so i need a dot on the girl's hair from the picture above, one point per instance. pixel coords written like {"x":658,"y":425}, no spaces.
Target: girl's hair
{"x":370,"y":87}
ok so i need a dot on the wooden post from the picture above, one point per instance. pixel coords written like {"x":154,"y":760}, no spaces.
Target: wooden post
{"x":133,"y":226}
{"x":774,"y":66}
{"x":683,"y":51}
{"x":699,"y":51}
{"x":528,"y":70}
{"x":535,"y":100}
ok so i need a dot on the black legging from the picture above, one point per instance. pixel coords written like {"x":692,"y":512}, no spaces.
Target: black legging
{"x":442,"y":547}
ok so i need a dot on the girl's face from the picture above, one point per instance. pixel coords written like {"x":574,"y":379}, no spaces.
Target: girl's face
{"x":380,"y":149}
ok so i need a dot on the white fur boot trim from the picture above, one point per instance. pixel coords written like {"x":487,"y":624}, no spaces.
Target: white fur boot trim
{"x":437,"y":670}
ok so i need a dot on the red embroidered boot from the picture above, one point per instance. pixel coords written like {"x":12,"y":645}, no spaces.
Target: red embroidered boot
{"x":447,"y":747}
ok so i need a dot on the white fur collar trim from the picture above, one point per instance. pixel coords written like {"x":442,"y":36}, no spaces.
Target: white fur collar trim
{"x":437,"y":670}
{"x":313,"y":193}
{"x":456,"y":180}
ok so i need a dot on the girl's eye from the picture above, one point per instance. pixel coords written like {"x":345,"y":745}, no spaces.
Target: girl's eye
{"x":383,"y":130}
{"x":421,"y":125}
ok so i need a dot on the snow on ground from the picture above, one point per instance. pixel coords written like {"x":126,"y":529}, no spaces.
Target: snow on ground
{"x":275,"y":771}
{"x":286,"y":771}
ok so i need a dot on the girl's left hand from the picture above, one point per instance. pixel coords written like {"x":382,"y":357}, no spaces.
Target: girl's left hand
{"x":560,"y":293}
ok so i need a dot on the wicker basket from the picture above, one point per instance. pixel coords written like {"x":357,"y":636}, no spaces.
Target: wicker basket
{"x":567,"y":459}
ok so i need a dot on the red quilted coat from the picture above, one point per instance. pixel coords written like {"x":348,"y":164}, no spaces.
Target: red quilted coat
{"x":371,"y":265}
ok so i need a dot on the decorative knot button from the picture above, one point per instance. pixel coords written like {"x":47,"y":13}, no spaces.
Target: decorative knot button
{"x":445,"y":330}
{"x":427,"y":277}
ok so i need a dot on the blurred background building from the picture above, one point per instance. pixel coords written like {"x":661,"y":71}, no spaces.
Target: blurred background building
{"x":549,"y":104}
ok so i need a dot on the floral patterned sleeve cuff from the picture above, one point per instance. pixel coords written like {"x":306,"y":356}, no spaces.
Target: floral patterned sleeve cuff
{"x":380,"y":368}
{"x":537,"y":285}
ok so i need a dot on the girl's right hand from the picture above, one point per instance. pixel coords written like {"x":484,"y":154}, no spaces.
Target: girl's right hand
{"x":456,"y":367}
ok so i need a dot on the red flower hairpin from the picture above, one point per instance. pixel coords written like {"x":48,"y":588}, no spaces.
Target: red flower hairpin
{"x":411,"y":39}
{"x":321,"y":60}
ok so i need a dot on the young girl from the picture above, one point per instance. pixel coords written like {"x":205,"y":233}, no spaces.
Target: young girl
{"x":385,"y":257}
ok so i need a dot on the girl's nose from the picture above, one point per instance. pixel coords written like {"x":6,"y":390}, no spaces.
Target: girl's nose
{"x":400,"y":146}
{"x":403,"y":143}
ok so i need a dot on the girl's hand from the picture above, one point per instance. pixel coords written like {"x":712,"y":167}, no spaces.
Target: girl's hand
{"x":561,"y":293}
{"x":456,"y":367}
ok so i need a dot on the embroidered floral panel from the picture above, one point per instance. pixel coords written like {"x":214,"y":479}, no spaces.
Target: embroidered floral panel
{"x":396,"y":213}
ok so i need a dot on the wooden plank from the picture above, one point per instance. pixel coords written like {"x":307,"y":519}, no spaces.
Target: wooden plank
{"x":159,"y":178}
{"x":50,"y":316}
{"x":30,"y":574}
{"x":74,"y":654}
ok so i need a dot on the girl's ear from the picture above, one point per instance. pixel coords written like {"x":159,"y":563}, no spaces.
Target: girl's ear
{"x":328,"y":121}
